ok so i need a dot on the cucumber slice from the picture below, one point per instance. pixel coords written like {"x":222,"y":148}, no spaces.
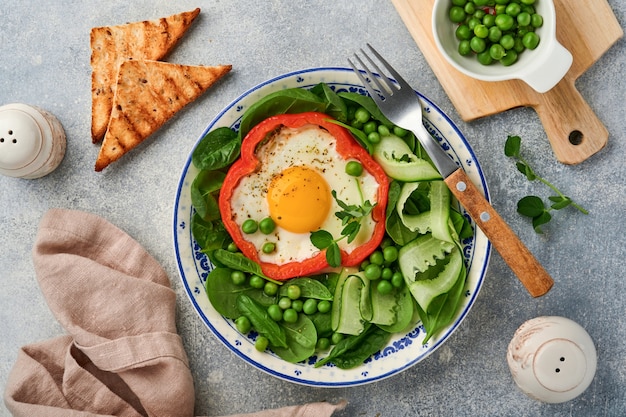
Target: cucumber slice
{"x":420,"y":254}
{"x":350,"y":320}
{"x":425,"y":290}
{"x":400,"y":163}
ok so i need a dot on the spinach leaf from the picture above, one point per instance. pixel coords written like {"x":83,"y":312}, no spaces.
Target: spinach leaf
{"x":238,"y":262}
{"x":336,"y":106}
{"x":309,"y":287}
{"x":261,"y":321}
{"x":353,"y":350}
{"x":301,"y":339}
{"x":217,"y":149}
{"x":210,"y":235}
{"x":204,"y":190}
{"x":291,"y":100}
{"x":223,"y":293}
{"x":323,"y":323}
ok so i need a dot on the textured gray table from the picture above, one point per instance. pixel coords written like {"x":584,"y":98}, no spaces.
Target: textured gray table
{"x":44,"y":50}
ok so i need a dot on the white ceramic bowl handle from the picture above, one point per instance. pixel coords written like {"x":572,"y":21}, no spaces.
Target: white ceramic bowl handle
{"x":548,"y":69}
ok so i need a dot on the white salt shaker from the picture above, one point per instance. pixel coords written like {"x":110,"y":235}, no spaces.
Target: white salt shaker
{"x":32,"y":141}
{"x":552,"y":359}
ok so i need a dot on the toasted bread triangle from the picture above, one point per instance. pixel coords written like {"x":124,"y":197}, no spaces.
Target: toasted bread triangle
{"x":149,"y":93}
{"x":111,"y":45}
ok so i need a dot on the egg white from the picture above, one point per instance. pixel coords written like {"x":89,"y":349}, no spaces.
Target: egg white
{"x":315,"y":148}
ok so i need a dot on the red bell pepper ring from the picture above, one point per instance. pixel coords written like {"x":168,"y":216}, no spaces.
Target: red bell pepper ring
{"x":248,"y":162}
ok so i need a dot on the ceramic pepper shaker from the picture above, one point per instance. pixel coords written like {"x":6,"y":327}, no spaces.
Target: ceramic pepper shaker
{"x":552,"y":359}
{"x":32,"y":141}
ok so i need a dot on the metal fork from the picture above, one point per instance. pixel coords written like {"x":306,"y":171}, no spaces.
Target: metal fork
{"x":399,"y":102}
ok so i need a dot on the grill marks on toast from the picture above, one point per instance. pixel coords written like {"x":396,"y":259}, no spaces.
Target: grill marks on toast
{"x":111,"y":45}
{"x":148,"y":94}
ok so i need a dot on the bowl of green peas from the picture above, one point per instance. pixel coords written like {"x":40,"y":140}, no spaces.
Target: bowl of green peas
{"x":500,"y":40}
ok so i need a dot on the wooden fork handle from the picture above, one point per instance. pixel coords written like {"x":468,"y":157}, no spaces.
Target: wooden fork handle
{"x":521,"y":261}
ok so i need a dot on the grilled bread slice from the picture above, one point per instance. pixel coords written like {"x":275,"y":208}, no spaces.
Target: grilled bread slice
{"x":111,"y":45}
{"x":149,"y":93}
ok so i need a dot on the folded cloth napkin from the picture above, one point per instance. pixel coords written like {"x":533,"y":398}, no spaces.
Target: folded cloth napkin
{"x":122,"y":355}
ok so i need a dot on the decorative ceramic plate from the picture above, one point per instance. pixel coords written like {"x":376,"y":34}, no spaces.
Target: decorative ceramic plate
{"x":403,"y":350}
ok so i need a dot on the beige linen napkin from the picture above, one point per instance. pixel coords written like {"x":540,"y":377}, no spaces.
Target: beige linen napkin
{"x":123,"y":355}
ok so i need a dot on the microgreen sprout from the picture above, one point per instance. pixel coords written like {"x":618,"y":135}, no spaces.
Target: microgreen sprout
{"x":533,"y":206}
{"x":351,"y":216}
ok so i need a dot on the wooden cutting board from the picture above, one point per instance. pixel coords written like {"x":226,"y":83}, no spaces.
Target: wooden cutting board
{"x":587,"y":28}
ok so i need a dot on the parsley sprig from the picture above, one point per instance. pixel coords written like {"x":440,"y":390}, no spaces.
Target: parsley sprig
{"x":351,"y":216}
{"x":533,"y":206}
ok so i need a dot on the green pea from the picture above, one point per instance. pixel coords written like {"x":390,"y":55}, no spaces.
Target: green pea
{"x":481,"y":3}
{"x":530,"y":40}
{"x":249,"y":226}
{"x":267,"y":225}
{"x":323,"y":343}
{"x":473,"y":22}
{"x":457,"y":14}
{"x":507,"y":41}
{"x":373,"y":137}
{"x":362,"y":115}
{"x":494,"y":34}
{"x":469,"y":8}
{"x":290,"y":315}
{"x":257,"y":282}
{"x":504,"y":22}
{"x":459,"y":2}
{"x":463,"y":32}
{"x":324,"y":306}
{"x":536,"y":20}
{"x":232,"y":247}
{"x":513,"y":9}
{"x":284,"y":303}
{"x":268,"y":247}
{"x":243,"y":324}
{"x":489,"y":20}
{"x":297,"y":305}
{"x":387,"y":274}
{"x":484,"y":57}
{"x":527,"y":2}
{"x":510,"y":58}
{"x":497,"y":51}
{"x":275,"y":312}
{"x":354,"y":168}
{"x":502,"y":2}
{"x":397,"y":280}
{"x":336,"y":338}
{"x":464,"y":47}
{"x":261,"y":343}
{"x":477,"y":44}
{"x":479,"y":14}
{"x":481,"y":31}
{"x":310,"y":306}
{"x":294,"y":292}
{"x":270,"y":288}
{"x":238,"y":277}
{"x":377,"y":258}
{"x":384,"y":130}
{"x":390,"y":254}
{"x":364,"y":264}
{"x":373,"y":272}
{"x":523,"y":19}
{"x":518,"y":46}
{"x":400,"y":132}
{"x":384,"y":287}
{"x":500,"y":8}
{"x":370,"y":127}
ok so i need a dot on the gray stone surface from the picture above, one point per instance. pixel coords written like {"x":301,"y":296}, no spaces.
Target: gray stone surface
{"x":44,"y":61}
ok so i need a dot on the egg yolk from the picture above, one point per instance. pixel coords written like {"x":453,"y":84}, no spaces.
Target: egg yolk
{"x":299,"y":199}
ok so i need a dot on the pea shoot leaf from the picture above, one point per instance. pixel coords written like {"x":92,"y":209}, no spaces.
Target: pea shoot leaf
{"x":533,"y":206}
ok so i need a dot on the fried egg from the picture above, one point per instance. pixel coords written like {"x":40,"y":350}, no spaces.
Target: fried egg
{"x":297,"y":171}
